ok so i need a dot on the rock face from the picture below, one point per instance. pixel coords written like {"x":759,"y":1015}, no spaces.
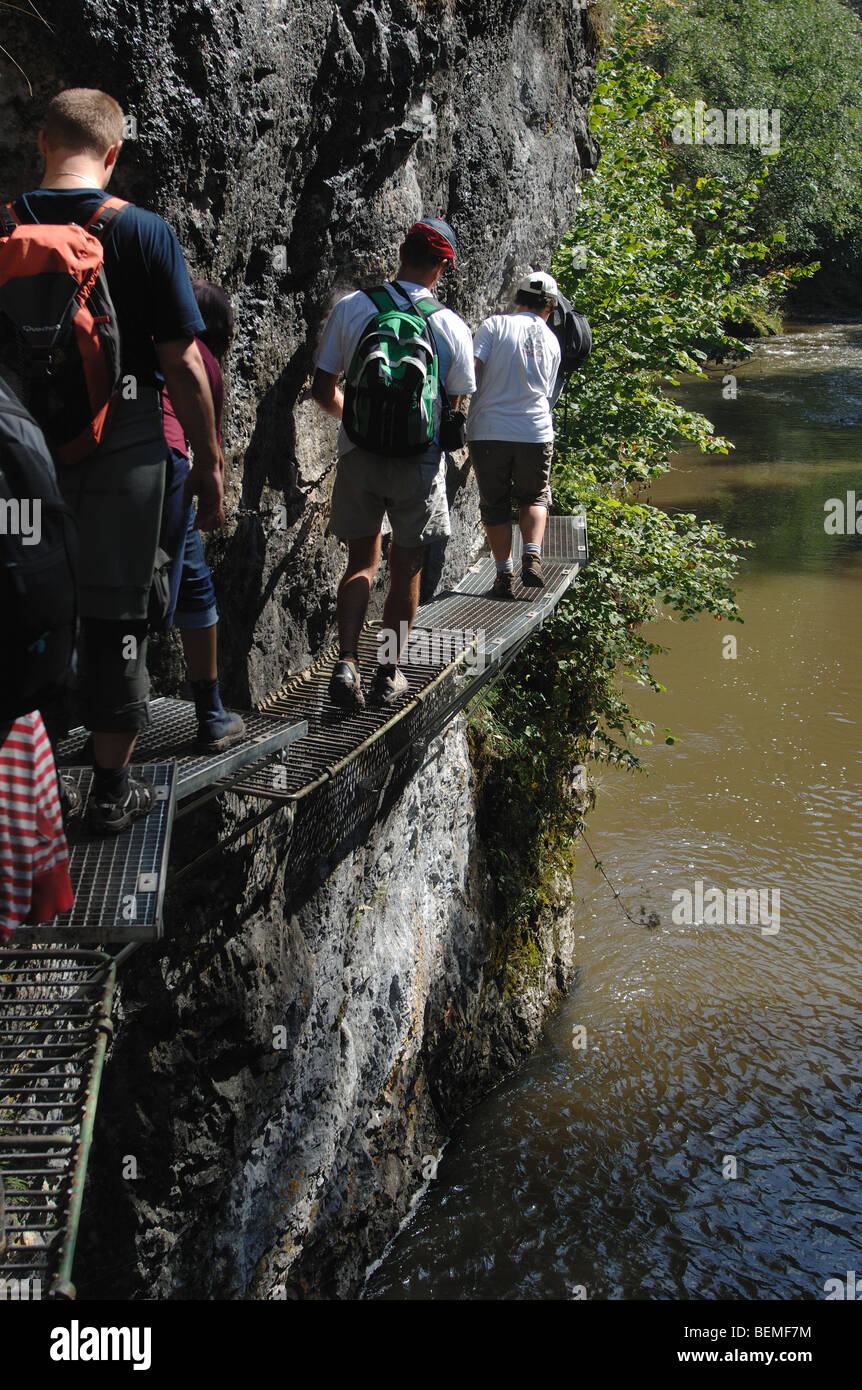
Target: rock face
{"x":290,"y":143}
{"x":284,"y":1074}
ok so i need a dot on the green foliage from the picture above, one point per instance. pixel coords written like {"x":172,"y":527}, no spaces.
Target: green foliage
{"x":660,"y":269}
{"x":801,"y":57}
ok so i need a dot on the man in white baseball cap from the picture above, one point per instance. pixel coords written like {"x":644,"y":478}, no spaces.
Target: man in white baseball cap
{"x":510,"y":430}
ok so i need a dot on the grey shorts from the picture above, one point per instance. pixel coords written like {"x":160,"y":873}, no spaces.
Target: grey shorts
{"x":510,"y":469}
{"x":116,"y":494}
{"x":412,"y":494}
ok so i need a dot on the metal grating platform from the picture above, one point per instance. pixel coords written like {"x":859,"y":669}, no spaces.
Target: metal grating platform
{"x":499,"y":621}
{"x":172,"y":734}
{"x":55,"y":1008}
{"x":118,"y":880}
{"x":463,"y":632}
{"x":564,"y":553}
{"x":565,"y":539}
{"x":335,"y":779}
{"x":334,"y":736}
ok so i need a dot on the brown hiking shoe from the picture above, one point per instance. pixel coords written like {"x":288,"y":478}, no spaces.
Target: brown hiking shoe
{"x":504,"y":585}
{"x":531,"y":571}
{"x":388,"y":684}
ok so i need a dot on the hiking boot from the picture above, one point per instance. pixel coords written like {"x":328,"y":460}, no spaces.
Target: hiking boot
{"x":111,"y":815}
{"x":531,"y":571}
{"x":218,"y":729}
{"x":345,"y":686}
{"x":216,"y":734}
{"x":389,"y":683}
{"x":504,"y":585}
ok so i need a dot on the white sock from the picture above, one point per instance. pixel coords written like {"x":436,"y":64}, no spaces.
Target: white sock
{"x":530,"y":548}
{"x":505,"y":566}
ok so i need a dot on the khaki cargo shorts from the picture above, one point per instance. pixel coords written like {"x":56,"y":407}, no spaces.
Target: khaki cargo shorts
{"x":507,"y":469}
{"x":412,"y":494}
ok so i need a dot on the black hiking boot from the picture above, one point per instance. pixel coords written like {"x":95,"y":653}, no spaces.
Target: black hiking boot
{"x":112,"y":814}
{"x":345,"y":686}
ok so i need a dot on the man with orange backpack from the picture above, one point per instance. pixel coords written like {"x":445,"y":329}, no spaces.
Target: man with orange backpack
{"x":96,"y":312}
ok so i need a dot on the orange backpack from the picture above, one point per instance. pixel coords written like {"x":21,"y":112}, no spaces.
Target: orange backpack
{"x":59,"y":336}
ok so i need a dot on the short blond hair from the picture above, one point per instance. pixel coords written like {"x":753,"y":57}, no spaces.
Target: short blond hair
{"x":83,"y":118}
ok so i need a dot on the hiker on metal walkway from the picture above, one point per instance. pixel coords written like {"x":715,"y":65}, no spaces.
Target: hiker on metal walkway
{"x":193,"y":608}
{"x":510,"y":430}
{"x":398,"y":347}
{"x":149,"y":316}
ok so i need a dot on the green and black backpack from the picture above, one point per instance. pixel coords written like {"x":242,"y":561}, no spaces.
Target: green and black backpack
{"x":393,"y":381}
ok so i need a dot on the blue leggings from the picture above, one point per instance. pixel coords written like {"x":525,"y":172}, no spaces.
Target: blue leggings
{"x":193,"y":600}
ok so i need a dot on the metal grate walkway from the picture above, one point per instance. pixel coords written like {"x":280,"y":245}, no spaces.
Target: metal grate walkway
{"x":171,"y":735}
{"x":338,"y":775}
{"x":55,"y":1019}
{"x":118,"y":880}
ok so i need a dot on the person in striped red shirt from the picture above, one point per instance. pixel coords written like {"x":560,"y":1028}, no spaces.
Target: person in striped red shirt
{"x":34,"y":857}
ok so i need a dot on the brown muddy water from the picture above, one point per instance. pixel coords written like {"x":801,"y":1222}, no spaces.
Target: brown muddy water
{"x":711,"y":1047}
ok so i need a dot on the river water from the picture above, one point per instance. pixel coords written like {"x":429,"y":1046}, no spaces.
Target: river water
{"x":605,"y":1167}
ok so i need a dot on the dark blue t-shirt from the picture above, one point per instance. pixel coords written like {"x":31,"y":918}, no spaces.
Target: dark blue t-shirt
{"x":145,"y":269}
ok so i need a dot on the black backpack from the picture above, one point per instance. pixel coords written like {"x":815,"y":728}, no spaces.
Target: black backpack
{"x":38,"y":567}
{"x":574,"y":335}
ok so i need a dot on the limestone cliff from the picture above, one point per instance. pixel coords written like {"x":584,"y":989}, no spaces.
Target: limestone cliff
{"x":290,"y":142}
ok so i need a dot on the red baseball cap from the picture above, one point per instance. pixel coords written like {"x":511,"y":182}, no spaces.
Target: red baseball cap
{"x":438,"y":234}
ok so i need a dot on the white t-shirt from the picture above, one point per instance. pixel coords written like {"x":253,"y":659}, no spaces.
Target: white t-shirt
{"x":348,"y":321}
{"x":521,"y":356}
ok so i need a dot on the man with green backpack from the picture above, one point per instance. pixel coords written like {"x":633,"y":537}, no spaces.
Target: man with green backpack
{"x":402,"y":352}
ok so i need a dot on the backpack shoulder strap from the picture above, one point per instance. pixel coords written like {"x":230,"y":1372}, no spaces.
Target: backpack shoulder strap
{"x":9,"y":218}
{"x":381,"y":299}
{"x":104,"y":215}
{"x":426,"y":307}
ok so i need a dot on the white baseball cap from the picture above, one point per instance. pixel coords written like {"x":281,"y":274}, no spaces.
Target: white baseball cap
{"x":539,"y":282}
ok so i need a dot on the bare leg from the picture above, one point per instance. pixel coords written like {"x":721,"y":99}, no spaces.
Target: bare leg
{"x":354,"y":590}
{"x":200,"y":646}
{"x":405,"y":575}
{"x":113,"y":750}
{"x":533,"y":522}
{"x":500,"y":540}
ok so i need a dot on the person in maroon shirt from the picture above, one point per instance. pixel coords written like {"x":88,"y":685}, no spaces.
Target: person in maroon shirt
{"x":193,"y":607}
